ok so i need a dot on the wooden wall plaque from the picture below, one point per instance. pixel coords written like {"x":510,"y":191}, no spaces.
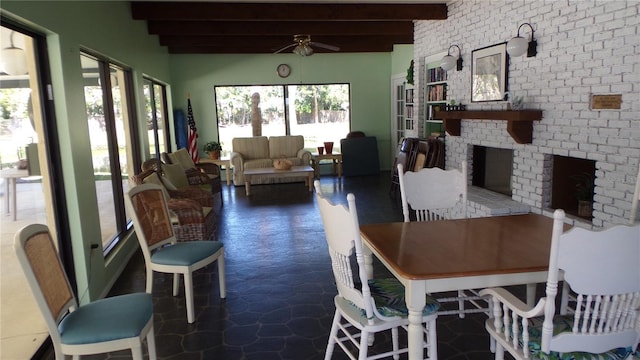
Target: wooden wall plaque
{"x":606,"y":102}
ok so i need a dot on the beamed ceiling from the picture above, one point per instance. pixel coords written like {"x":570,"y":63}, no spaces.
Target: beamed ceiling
{"x":262,"y":28}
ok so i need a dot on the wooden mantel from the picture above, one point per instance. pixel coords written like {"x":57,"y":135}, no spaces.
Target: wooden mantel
{"x":519,"y":122}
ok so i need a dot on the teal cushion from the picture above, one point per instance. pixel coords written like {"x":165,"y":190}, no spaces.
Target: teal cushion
{"x":185,"y":253}
{"x":564,"y":324}
{"x":389,"y":297}
{"x":108,"y":319}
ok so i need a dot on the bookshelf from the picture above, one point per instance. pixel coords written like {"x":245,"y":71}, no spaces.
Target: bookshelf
{"x":435,"y":95}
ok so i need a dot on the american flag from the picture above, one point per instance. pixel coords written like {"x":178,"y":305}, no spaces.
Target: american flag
{"x":192,"y":144}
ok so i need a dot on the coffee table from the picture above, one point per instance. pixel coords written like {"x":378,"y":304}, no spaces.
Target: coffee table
{"x":306,"y":171}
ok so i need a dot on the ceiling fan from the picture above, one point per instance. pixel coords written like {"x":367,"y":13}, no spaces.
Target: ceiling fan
{"x":302,"y":45}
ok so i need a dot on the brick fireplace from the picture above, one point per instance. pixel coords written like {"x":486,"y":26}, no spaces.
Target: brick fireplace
{"x":584,"y":48}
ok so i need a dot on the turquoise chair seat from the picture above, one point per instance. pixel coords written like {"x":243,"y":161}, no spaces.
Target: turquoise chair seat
{"x":107,"y":319}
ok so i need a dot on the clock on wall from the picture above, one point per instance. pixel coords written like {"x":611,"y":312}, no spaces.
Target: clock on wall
{"x":283,"y":70}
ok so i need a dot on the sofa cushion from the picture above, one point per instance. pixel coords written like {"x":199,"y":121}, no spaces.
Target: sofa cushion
{"x":182,"y":158}
{"x":285,"y":146}
{"x":256,"y":147}
{"x":175,"y":174}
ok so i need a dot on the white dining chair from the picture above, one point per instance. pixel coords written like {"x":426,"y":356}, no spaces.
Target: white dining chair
{"x":436,"y":194}
{"x":364,"y":306}
{"x":162,"y":252}
{"x":106,"y":325}
{"x":635,"y":200}
{"x":602,"y":269}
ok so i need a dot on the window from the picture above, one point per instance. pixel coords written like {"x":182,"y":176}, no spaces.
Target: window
{"x":320,"y":113}
{"x":107,"y":93}
{"x":155,"y":95}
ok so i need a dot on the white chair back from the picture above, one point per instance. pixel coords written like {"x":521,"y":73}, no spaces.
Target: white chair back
{"x":45,"y":275}
{"x":434,"y":193}
{"x":602,"y":268}
{"x":342,"y":232}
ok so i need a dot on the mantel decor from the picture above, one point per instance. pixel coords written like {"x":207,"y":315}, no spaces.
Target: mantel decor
{"x":519,"y":123}
{"x":489,"y":68}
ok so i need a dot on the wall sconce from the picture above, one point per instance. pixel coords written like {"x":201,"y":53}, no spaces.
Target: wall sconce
{"x":518,"y":45}
{"x":448,"y":62}
{"x":14,"y":59}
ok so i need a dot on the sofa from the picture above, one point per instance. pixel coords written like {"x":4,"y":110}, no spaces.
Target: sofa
{"x":260,"y":152}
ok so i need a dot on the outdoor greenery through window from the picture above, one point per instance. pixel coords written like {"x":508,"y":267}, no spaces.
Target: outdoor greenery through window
{"x":156,"y":111}
{"x":320,"y":113}
{"x":110,"y":134}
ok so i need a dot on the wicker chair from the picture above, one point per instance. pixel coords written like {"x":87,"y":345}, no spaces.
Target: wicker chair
{"x":192,"y":208}
{"x":205,"y":175}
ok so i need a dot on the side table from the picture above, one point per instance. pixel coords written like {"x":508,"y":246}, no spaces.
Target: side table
{"x":221,"y":162}
{"x":336,"y":161}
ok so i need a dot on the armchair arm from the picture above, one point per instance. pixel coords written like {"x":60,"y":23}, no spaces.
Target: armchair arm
{"x":305,"y":155}
{"x":186,"y":210}
{"x":237,"y":160}
{"x":209,"y":168}
{"x":200,"y":196}
{"x":514,"y":304}
{"x":508,"y":327}
{"x":196,"y":177}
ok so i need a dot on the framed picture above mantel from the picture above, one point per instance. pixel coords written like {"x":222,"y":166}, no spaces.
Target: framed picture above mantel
{"x":489,"y":66}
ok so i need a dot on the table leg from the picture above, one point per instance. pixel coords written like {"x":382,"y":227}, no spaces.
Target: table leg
{"x":310,"y":181}
{"x":339,"y":168}
{"x":6,"y":195}
{"x":227,"y":169}
{"x":247,"y":185}
{"x":416,"y":300}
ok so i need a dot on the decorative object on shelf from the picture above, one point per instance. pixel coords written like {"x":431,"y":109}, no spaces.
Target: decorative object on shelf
{"x":410,"y":74}
{"x":282,"y":164}
{"x":213,"y":148}
{"x":328,"y":146}
{"x":448,"y":62}
{"x":518,"y":45}
{"x":489,"y":73}
{"x":515,"y":102}
{"x":320,"y":150}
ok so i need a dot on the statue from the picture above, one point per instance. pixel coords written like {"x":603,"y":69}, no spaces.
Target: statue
{"x":256,"y":115}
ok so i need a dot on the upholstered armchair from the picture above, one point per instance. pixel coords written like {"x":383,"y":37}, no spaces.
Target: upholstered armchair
{"x":193,"y":217}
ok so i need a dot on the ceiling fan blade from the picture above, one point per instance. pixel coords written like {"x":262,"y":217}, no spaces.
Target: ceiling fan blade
{"x":328,"y":47}
{"x":284,"y":48}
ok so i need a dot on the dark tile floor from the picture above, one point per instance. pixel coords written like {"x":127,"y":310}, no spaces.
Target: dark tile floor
{"x":280,"y":287}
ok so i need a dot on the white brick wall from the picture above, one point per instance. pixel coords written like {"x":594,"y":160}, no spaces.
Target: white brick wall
{"x":585,"y":47}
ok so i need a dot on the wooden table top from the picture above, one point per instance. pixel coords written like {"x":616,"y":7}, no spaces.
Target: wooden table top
{"x":466,"y":247}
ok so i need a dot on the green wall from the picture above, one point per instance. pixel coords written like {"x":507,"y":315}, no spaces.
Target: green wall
{"x":105,"y":28}
{"x":367,"y":73}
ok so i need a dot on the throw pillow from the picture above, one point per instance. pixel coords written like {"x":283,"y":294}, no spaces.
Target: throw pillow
{"x":175,"y":174}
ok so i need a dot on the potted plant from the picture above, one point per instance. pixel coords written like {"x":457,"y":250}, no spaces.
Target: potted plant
{"x":584,"y":193}
{"x":213,"y":148}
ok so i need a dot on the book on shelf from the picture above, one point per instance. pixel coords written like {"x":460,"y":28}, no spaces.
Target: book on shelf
{"x":437,"y":92}
{"x":436,"y":74}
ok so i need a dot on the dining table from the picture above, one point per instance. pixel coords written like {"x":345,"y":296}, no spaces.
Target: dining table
{"x":449,"y":255}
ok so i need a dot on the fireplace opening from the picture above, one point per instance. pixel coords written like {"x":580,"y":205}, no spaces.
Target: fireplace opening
{"x":572,"y":185}
{"x":492,"y":169}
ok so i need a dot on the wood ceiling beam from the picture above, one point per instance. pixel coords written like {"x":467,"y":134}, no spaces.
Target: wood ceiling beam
{"x":273,"y":43}
{"x":279,"y":28}
{"x":257,"y":49}
{"x":286,"y":11}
